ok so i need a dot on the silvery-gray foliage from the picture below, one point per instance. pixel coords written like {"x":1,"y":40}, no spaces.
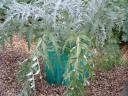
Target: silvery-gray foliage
{"x":74,"y":13}
{"x":47,"y":10}
{"x":102,"y":17}
{"x":94,"y":14}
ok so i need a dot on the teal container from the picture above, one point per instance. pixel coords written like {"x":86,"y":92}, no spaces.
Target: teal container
{"x":56,"y":67}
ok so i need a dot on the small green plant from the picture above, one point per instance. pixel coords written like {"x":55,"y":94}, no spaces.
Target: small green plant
{"x":30,"y":68}
{"x":108,"y":58}
{"x":78,"y":67}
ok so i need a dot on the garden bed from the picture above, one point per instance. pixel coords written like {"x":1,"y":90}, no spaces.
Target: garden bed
{"x":105,"y":83}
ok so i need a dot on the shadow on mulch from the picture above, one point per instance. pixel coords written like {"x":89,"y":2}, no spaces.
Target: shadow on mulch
{"x":45,"y":89}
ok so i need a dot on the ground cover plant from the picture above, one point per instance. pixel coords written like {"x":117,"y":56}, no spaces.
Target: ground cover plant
{"x":88,"y":32}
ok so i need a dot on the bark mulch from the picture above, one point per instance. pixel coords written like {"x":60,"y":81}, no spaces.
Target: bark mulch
{"x":109,"y":83}
{"x":9,"y":67}
{"x":45,"y":89}
{"x":8,"y":70}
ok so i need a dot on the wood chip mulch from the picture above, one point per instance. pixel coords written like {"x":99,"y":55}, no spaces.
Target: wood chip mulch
{"x":109,"y":83}
{"x":8,"y":70}
{"x":45,"y":89}
{"x":9,"y":67}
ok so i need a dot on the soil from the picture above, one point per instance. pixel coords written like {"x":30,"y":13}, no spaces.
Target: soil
{"x":105,"y":83}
